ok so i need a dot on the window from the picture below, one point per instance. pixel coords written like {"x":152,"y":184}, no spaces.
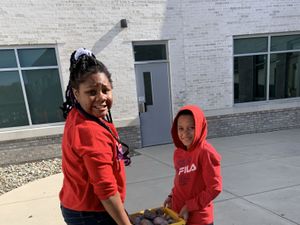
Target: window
{"x":30,"y":88}
{"x":148,"y":88}
{"x":266,"y":68}
{"x":150,"y":52}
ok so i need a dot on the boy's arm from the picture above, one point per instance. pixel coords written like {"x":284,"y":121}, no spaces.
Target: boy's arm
{"x":211,"y":169}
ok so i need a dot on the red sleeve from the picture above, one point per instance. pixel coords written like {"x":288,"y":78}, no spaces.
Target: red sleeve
{"x":211,"y":169}
{"x":96,"y":149}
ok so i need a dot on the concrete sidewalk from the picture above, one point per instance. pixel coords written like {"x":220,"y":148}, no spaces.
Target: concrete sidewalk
{"x":261,"y":175}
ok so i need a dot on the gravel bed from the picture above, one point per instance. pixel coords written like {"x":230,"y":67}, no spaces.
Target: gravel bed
{"x":14,"y":176}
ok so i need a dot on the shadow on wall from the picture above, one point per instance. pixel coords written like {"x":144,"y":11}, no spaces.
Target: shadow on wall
{"x":106,"y":39}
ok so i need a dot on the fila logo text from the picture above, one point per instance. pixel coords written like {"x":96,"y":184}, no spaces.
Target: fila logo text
{"x":187,"y":169}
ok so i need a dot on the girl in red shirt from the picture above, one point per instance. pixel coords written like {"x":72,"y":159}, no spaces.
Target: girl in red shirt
{"x":93,"y":161}
{"x":197,"y":180}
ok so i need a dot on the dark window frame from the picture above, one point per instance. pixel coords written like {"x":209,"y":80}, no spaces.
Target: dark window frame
{"x":20,"y":69}
{"x":269,"y":53}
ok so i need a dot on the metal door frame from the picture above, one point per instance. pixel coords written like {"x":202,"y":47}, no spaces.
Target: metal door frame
{"x":166,"y":43}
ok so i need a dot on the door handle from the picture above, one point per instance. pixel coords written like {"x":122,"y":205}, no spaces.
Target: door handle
{"x":142,"y":107}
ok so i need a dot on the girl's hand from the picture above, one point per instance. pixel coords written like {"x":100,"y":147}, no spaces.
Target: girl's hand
{"x":168,"y":202}
{"x":184,"y":213}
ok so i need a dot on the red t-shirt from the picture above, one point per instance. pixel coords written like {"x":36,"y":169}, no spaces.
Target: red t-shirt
{"x":90,"y":166}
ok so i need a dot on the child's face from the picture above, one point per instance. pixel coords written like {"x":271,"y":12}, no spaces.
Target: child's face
{"x":95,"y":95}
{"x":186,"y":129}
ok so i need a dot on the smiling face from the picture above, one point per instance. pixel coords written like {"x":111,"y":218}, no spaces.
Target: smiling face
{"x":95,"y":94}
{"x":186,"y":129}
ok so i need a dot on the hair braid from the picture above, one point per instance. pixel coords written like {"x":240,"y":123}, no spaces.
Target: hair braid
{"x":70,"y":101}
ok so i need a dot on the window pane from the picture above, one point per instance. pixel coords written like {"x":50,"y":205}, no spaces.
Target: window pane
{"x":285,"y":75}
{"x":12,"y":105}
{"x":288,"y":42}
{"x":37,"y":57}
{"x":250,"y":74}
{"x":250,"y":45}
{"x":7,"y":59}
{"x":148,"y":88}
{"x":149,"y":52}
{"x":44,"y":95}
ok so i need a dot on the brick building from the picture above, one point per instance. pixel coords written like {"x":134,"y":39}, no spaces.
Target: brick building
{"x":238,"y":60}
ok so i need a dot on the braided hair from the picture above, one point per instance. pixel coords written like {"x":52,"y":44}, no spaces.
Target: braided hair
{"x":82,"y":65}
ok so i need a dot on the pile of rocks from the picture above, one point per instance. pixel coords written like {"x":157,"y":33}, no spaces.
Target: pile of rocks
{"x":13,"y":176}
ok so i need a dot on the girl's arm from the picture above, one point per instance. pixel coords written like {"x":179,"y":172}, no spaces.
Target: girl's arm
{"x":115,"y":208}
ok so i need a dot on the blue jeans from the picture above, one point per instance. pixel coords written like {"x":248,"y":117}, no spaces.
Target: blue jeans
{"x":73,"y":217}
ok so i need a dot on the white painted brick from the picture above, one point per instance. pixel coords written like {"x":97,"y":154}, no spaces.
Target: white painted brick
{"x":199,"y":32}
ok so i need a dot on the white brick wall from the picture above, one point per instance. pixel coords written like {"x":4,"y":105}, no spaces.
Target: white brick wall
{"x":208,"y":30}
{"x":199,"y":32}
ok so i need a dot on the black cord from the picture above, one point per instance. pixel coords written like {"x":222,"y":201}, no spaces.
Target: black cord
{"x":97,"y":120}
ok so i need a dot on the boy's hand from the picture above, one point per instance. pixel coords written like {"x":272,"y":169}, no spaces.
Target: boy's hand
{"x":168,"y":202}
{"x":184,"y":213}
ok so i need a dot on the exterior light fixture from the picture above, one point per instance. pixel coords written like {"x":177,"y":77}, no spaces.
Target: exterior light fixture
{"x":123,"y":23}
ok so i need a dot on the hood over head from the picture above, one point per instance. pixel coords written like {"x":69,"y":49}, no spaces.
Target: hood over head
{"x":200,"y":127}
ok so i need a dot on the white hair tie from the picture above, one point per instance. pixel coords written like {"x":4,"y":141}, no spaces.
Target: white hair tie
{"x":82,"y":51}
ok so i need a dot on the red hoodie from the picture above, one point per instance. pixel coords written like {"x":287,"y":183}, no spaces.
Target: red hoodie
{"x":198,"y":172}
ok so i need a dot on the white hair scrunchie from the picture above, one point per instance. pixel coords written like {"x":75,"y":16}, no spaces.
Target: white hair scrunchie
{"x":82,"y":51}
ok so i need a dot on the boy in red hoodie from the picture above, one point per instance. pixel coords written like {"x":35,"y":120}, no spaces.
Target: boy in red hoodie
{"x":197,"y":180}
